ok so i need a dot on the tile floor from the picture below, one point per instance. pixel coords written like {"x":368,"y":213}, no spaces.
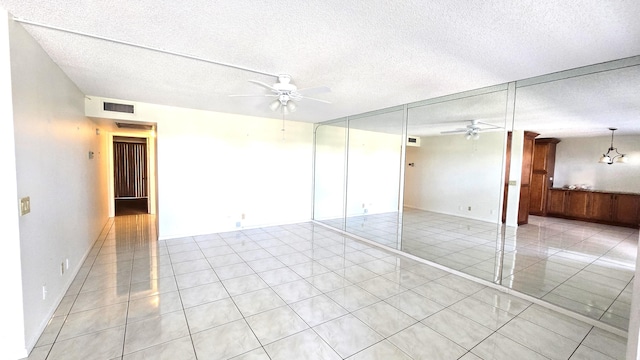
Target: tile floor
{"x":297,"y":291}
{"x":585,"y":267}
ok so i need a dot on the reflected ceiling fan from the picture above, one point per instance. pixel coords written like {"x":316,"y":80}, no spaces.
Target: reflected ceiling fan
{"x":472,"y":131}
{"x":287,"y":94}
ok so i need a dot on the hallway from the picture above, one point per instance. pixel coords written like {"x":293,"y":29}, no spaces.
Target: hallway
{"x":296,"y":291}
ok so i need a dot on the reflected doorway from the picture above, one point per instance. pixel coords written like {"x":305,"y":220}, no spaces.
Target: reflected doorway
{"x":130,"y":170}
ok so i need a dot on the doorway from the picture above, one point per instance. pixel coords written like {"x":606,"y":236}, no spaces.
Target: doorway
{"x":130,"y":175}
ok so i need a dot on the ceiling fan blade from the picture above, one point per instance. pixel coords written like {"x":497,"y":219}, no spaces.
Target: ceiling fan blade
{"x":314,"y":90}
{"x":454,"y":131}
{"x":263,"y":85}
{"x":314,"y":99}
{"x":491,"y":126}
{"x":257,"y":95}
{"x":458,"y":129}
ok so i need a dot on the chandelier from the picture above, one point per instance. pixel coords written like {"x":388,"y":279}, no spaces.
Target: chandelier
{"x":612,"y":155}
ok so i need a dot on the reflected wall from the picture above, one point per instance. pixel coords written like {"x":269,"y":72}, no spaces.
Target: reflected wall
{"x":453,"y":195}
{"x":373,"y":176}
{"x":330,"y":161}
{"x":453,"y":181}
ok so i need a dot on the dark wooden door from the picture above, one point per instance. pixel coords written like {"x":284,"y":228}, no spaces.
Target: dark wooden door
{"x":538,"y":201}
{"x":544,"y":155}
{"x":130,"y":169}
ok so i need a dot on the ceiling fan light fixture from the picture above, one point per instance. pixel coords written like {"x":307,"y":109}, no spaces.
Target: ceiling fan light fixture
{"x":275,"y":104}
{"x":285,"y":92}
{"x":473,"y":134}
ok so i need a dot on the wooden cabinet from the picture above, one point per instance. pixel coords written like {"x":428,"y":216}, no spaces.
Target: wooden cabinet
{"x":601,"y":206}
{"x":555,"y":202}
{"x":626,"y":209}
{"x":577,"y":204}
{"x":596,"y":206}
{"x":542,"y":171}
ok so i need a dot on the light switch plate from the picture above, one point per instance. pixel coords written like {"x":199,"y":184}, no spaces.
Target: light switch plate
{"x":25,"y":206}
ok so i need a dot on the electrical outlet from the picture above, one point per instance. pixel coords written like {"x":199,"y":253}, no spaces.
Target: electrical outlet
{"x":469,"y":208}
{"x":243,"y":216}
{"x":25,"y":206}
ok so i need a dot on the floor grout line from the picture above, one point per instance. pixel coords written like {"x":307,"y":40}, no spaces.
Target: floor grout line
{"x":334,"y":250}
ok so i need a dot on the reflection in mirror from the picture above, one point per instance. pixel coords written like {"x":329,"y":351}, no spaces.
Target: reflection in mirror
{"x":578,"y":248}
{"x":453,"y":181}
{"x":373,"y":185}
{"x":329,"y":174}
{"x":522,"y":202}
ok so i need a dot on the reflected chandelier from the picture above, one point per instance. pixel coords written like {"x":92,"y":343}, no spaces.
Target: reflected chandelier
{"x":612,"y":155}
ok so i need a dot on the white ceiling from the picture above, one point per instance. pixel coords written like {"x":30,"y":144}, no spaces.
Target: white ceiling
{"x":372,"y":54}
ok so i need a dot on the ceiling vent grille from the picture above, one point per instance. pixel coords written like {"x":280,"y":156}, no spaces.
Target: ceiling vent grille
{"x":123,"y":108}
{"x":134,"y":126}
{"x":413,"y":141}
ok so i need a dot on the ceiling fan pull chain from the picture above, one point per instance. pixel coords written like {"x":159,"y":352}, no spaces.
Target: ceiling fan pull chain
{"x":282,"y":126}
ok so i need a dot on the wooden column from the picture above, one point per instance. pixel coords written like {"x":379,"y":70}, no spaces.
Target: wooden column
{"x":525,"y":180}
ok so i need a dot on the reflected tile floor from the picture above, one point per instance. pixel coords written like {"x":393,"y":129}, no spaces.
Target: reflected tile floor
{"x":296,"y":291}
{"x":584,"y":267}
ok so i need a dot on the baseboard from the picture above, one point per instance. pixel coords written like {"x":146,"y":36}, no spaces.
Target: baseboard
{"x":231,"y":229}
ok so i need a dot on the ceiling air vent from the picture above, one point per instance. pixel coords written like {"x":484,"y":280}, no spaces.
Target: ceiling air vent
{"x":134,"y":126}
{"x":413,"y":141}
{"x":123,"y":108}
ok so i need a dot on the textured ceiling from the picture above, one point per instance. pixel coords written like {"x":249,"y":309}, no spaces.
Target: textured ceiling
{"x":372,"y":54}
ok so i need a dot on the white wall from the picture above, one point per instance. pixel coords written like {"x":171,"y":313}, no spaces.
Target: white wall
{"x":577,"y":163}
{"x":373,"y":175}
{"x":215,"y":167}
{"x":67,"y":189}
{"x":329,"y":173}
{"x":12,"y":341}
{"x":452,"y":174}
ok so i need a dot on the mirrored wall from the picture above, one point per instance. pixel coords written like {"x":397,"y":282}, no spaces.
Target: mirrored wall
{"x":501,"y":183}
{"x":358,"y":166}
{"x":330,"y":160}
{"x":453,"y":180}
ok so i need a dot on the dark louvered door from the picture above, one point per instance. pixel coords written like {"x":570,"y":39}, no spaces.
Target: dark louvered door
{"x":130,"y":169}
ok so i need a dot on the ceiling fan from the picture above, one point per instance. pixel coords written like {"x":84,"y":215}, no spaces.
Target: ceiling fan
{"x":472,"y":131}
{"x":286,"y":94}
